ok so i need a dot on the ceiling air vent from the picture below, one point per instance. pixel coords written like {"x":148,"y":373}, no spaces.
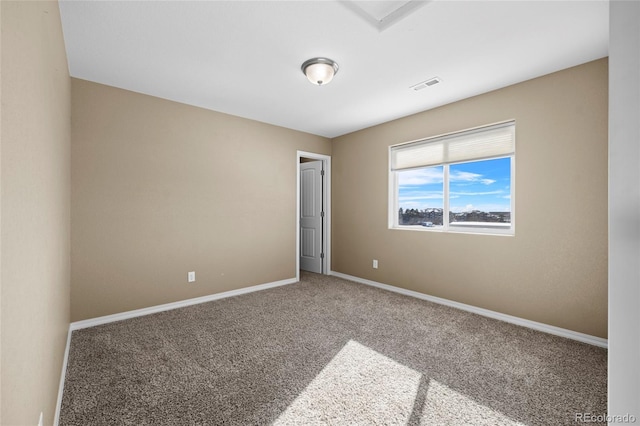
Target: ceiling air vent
{"x":431,"y":82}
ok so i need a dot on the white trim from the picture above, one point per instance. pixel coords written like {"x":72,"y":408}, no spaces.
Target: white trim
{"x":78,"y":325}
{"x":487,"y":229}
{"x":545,"y":328}
{"x":392,"y":200}
{"x":92,"y":322}
{"x":63,"y":374}
{"x":326,"y":159}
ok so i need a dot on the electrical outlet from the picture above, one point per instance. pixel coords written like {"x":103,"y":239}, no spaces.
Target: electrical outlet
{"x":375,"y":263}
{"x":191,"y":277}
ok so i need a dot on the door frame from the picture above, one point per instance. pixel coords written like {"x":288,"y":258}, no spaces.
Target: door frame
{"x":326,"y":200}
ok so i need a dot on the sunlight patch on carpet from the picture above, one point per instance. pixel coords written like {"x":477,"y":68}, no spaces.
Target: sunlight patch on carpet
{"x":358,"y":386}
{"x":361,"y":386}
{"x":445,"y":406}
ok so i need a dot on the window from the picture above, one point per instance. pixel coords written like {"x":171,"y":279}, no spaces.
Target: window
{"x":460,"y":182}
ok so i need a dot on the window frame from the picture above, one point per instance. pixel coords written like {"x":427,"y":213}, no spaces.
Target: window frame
{"x":486,"y":228}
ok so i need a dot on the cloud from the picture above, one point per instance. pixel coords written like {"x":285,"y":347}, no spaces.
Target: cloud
{"x":459,"y":176}
{"x":486,"y":207}
{"x":468,"y":177}
{"x":420,"y":177}
{"x":420,"y":195}
{"x":434,"y":175}
{"x":469,"y":194}
{"x":419,"y":199}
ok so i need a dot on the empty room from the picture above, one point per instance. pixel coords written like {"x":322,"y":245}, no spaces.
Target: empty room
{"x":319,"y":212}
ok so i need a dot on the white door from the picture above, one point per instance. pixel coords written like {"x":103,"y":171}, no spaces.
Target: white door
{"x":311,"y":216}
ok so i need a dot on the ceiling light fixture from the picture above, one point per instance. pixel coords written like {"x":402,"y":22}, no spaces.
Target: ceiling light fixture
{"x":319,"y":70}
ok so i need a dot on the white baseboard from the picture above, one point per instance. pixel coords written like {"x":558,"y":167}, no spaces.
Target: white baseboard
{"x":65,"y":359}
{"x":581,"y":337}
{"x":562,"y":332}
{"x":92,"y":322}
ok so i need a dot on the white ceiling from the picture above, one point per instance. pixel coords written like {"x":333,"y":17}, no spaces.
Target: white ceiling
{"x":243,"y":57}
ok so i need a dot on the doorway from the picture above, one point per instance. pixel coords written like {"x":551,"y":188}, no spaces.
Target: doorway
{"x":313,"y":216}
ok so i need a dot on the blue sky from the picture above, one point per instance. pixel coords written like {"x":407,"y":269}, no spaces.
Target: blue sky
{"x":479,"y":185}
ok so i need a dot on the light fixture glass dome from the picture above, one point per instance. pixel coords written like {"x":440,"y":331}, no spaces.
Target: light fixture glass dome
{"x":319,"y":71}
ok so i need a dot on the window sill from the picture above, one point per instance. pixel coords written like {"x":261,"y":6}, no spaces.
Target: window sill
{"x":500,"y":230}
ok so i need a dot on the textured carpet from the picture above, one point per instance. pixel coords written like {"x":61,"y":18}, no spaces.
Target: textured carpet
{"x":327,"y":351}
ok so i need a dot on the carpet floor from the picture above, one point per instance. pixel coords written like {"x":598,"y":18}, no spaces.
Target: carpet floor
{"x":327,"y":351}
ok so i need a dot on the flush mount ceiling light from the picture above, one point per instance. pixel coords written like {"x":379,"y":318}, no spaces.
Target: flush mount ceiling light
{"x":319,"y":70}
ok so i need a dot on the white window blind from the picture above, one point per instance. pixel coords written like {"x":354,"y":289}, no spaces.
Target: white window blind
{"x":476,"y":144}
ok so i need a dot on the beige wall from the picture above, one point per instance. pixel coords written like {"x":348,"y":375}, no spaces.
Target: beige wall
{"x":35,"y":184}
{"x":161,"y":188}
{"x":554,"y":270}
